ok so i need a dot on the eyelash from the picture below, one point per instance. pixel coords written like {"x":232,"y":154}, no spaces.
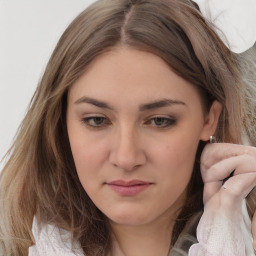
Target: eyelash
{"x":167,"y":122}
{"x":87,"y":120}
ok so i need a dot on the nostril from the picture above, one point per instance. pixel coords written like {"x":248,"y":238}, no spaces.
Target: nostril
{"x":127,"y":160}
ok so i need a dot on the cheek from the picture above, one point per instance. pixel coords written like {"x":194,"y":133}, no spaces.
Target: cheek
{"x":89,"y":154}
{"x":178,"y":152}
{"x":86,"y":153}
{"x":176,"y":159}
{"x":89,"y":158}
{"x":89,"y":164}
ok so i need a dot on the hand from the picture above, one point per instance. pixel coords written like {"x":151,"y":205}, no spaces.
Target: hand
{"x":229,"y":174}
{"x":218,"y":162}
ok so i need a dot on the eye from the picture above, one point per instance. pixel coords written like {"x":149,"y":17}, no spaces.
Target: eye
{"x":96,"y":121}
{"x":161,"y":122}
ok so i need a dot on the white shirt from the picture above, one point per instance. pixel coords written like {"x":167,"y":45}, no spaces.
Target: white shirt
{"x":216,"y":233}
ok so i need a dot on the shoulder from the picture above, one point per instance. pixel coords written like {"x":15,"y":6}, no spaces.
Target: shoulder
{"x":51,"y":240}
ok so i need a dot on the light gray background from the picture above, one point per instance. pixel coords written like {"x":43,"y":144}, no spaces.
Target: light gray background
{"x":29,"y":31}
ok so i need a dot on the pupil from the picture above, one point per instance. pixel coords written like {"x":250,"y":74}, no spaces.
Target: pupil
{"x":159,"y":121}
{"x":98,"y":120}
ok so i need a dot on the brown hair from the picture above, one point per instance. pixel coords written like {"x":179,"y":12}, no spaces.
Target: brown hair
{"x":40,"y":176}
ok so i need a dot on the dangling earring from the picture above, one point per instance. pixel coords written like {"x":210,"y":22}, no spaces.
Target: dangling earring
{"x":212,"y":139}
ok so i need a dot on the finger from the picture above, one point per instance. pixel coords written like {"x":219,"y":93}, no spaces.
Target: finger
{"x":216,"y":152}
{"x":239,"y":186}
{"x":221,"y":170}
{"x":211,"y":189}
{"x":228,"y":199}
{"x":232,"y":191}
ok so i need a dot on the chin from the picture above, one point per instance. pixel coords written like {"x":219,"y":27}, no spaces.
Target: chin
{"x":130,"y":218}
{"x":130,"y":221}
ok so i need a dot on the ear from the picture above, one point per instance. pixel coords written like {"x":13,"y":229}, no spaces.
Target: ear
{"x":211,"y":121}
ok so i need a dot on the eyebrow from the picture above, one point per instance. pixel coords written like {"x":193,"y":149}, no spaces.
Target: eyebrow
{"x":160,"y":104}
{"x":94,"y":102}
{"x":148,"y":106}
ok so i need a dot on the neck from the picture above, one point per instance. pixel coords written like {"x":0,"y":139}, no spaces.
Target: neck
{"x":148,"y":239}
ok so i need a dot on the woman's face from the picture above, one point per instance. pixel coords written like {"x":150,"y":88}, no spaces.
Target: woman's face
{"x":134,"y":127}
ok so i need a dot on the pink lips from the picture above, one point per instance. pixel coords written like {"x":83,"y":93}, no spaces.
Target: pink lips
{"x":128,"y":188}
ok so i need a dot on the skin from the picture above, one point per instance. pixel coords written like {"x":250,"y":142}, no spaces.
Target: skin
{"x":125,"y":138}
{"x":223,"y":200}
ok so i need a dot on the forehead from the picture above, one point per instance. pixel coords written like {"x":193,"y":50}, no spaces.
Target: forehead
{"x":131,"y":74}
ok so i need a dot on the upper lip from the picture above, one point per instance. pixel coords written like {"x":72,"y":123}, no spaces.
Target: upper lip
{"x":128,"y":183}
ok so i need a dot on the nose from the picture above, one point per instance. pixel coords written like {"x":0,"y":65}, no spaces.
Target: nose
{"x":127,"y":150}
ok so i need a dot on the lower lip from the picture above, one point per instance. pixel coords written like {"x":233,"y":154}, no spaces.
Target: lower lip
{"x":129,"y":190}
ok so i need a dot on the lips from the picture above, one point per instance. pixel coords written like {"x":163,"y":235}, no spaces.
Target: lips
{"x":128,"y":188}
{"x":128,"y":183}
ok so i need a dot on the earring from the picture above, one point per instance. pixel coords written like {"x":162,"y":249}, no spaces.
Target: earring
{"x":212,"y":139}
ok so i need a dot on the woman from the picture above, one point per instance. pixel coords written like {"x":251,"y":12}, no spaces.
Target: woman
{"x":107,"y":159}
